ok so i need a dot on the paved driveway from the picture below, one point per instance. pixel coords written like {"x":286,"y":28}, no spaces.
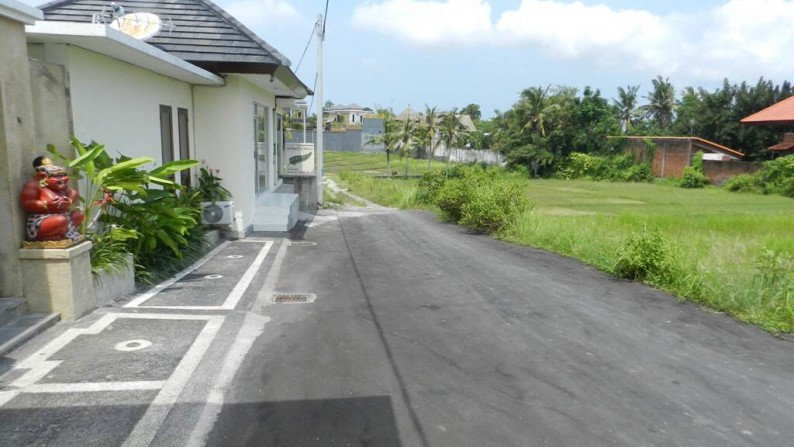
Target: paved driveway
{"x":424,"y":335}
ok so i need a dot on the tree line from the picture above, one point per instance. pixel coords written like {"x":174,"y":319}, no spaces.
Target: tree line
{"x":546,"y":124}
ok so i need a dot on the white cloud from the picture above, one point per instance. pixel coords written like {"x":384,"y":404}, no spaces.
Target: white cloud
{"x":427,"y":22}
{"x":740,"y":39}
{"x":262,"y":13}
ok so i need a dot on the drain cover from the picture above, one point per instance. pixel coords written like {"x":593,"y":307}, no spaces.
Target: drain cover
{"x":293,"y":297}
{"x":303,"y":243}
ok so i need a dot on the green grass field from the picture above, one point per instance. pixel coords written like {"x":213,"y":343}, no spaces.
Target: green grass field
{"x":734,"y":252}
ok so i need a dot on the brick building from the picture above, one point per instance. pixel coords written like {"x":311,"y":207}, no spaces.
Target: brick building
{"x":672,"y":154}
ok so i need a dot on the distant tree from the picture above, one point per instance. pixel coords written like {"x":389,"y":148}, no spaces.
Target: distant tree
{"x":429,"y":131}
{"x":328,"y":105}
{"x":451,"y":132}
{"x":406,"y":139}
{"x":537,"y":107}
{"x":661,"y":103}
{"x":473,"y":110}
{"x":389,"y":138}
{"x":627,"y":106}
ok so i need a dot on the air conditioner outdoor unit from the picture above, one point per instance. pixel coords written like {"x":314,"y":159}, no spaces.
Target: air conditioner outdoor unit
{"x":217,"y":213}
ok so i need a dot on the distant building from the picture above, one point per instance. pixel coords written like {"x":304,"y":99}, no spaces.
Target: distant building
{"x":347,"y":116}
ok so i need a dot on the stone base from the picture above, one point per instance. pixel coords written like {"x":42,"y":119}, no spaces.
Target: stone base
{"x":112,"y":285}
{"x":58,"y":280}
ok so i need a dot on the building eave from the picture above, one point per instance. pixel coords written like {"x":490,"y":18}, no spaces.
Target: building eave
{"x":112,"y":43}
{"x":20,"y":12}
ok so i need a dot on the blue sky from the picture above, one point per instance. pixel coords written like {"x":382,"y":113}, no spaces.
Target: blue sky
{"x":449,"y":53}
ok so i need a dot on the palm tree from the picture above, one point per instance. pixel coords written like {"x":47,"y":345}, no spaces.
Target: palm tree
{"x":451,"y":132}
{"x":388,"y":138}
{"x":535,"y":102}
{"x":627,"y":106}
{"x":430,"y":129}
{"x":405,"y":140}
{"x":661,"y":102}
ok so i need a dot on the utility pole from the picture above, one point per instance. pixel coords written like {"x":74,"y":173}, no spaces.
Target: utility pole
{"x":318,"y":99}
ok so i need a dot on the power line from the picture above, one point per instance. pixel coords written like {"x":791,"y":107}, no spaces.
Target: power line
{"x":325,"y":17}
{"x":311,"y":35}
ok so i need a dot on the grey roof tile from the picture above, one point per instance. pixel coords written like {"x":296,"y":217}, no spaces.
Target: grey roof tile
{"x":203,"y":33}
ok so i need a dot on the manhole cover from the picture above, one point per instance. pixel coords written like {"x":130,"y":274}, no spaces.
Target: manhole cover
{"x":293,"y":297}
{"x":235,"y":256}
{"x":213,"y":277}
{"x":303,"y":243}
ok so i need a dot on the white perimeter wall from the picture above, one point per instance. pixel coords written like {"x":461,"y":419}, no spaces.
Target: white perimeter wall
{"x":118,"y":104}
{"x":224,"y":126}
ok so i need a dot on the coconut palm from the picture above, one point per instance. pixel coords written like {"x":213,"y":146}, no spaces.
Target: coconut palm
{"x":534,"y":101}
{"x":627,"y":106}
{"x":388,"y":138}
{"x":451,"y":132}
{"x":661,"y":102}
{"x":430,"y":128}
{"x":405,"y":137}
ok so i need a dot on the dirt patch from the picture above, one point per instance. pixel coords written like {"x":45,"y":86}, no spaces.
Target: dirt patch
{"x":623,"y":202}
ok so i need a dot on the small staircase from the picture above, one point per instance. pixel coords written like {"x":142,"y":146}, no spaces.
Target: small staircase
{"x":18,"y":326}
{"x":276,"y":211}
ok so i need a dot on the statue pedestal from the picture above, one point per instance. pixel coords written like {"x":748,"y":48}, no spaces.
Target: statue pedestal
{"x":58,"y":280}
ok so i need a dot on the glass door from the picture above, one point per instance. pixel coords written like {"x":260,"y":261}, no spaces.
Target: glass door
{"x":260,"y":148}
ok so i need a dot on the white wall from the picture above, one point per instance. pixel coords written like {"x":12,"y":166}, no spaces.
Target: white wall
{"x":118,"y":104}
{"x":224,"y":126}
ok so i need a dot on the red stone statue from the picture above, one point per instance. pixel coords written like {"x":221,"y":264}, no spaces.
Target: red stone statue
{"x":50,"y":202}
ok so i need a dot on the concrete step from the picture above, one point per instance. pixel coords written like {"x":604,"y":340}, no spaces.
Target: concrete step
{"x":11,"y":309}
{"x":23,"y":328}
{"x":276,"y":212}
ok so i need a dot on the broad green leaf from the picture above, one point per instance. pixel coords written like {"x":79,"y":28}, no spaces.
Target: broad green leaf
{"x":172,"y":167}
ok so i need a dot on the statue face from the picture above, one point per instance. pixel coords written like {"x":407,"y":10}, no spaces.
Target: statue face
{"x":58,"y":182}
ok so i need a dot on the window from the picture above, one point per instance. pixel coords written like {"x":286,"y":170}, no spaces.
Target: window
{"x":184,"y":142}
{"x":166,"y":134}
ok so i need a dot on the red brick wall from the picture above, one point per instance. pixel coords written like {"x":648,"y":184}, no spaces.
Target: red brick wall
{"x":670,"y":157}
{"x":719,"y":171}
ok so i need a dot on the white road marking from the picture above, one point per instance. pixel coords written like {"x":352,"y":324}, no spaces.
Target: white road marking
{"x":266,"y":292}
{"x":155,"y":290}
{"x":132,"y":345}
{"x":252,"y":327}
{"x":147,"y":426}
{"x":88,"y":387}
{"x":234,"y":296}
{"x":39,"y":366}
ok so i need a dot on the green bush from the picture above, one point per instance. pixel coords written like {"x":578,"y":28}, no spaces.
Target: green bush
{"x":639,"y":173}
{"x":644,"y":256}
{"x":777,"y":176}
{"x":742,"y":183}
{"x":616,"y":168}
{"x":692,"y":178}
{"x":491,"y":207}
{"x":480,"y":198}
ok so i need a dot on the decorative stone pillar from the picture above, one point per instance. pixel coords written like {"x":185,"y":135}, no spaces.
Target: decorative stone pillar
{"x":59,"y":280}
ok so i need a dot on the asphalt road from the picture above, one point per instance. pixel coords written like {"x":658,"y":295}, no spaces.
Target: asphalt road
{"x":424,"y":335}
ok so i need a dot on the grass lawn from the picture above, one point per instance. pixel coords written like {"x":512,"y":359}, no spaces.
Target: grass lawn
{"x":733,"y":252}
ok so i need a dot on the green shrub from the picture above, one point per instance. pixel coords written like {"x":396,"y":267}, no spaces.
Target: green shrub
{"x":638,"y":173}
{"x":429,"y":185}
{"x":777,"y":176}
{"x":616,"y":168}
{"x":692,"y":178}
{"x":742,"y":183}
{"x":644,"y":256}
{"x":493,"y":206}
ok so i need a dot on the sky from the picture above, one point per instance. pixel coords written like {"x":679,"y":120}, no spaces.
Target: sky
{"x":450,"y":53}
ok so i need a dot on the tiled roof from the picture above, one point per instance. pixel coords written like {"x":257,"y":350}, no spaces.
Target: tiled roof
{"x":780,"y":113}
{"x":203,"y":34}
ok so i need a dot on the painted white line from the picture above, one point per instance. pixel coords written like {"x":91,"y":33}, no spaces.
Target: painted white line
{"x":90,"y":387}
{"x":146,"y":428}
{"x":236,"y":294}
{"x":39,"y":366}
{"x":266,"y":292}
{"x":155,"y":290}
{"x":6,"y":396}
{"x":252,"y":327}
{"x":245,"y":281}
